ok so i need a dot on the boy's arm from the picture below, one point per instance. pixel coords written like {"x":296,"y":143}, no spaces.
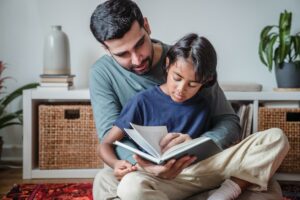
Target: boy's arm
{"x":107,"y":152}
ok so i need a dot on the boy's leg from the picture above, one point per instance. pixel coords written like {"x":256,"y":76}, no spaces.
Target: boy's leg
{"x":105,"y":185}
{"x":142,"y":185}
{"x":255,"y":160}
{"x":273,"y":193}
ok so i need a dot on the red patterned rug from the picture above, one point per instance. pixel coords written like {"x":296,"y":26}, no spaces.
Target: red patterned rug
{"x":59,"y":191}
{"x":83,"y":191}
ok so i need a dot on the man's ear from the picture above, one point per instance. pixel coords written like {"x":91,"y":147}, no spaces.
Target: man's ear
{"x":105,"y":48}
{"x":147,"y":26}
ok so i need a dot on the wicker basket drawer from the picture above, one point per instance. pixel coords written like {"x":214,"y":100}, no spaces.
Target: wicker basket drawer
{"x":287,"y":119}
{"x":67,"y":137}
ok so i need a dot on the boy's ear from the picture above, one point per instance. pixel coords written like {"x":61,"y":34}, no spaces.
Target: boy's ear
{"x":167,"y":64}
{"x":167,"y":61}
{"x":147,"y":26}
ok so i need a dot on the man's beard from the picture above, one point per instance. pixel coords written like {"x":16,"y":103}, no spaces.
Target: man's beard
{"x":147,"y":61}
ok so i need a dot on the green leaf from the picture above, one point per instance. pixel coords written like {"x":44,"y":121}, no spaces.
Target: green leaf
{"x":18,"y":92}
{"x":284,"y":35}
{"x":269,"y":51}
{"x":296,"y":42}
{"x":261,"y":54}
{"x":9,"y":124}
{"x":8,"y":118}
{"x":276,"y":57}
{"x":267,"y":40}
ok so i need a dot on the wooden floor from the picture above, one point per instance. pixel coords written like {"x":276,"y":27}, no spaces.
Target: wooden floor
{"x":11,"y":173}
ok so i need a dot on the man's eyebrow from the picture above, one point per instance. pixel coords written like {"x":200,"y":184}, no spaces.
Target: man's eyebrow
{"x":140,"y":41}
{"x":136,"y":45}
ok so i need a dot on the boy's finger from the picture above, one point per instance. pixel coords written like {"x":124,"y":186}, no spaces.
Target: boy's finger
{"x":170,"y":164}
{"x":166,"y":140}
{"x":142,"y":162}
{"x":173,"y":142}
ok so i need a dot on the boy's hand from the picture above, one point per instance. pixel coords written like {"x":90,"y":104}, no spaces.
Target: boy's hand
{"x":172,"y":139}
{"x":123,"y":167}
{"x":167,"y":171}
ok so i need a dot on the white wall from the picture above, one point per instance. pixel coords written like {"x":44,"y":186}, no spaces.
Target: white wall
{"x":233,"y":26}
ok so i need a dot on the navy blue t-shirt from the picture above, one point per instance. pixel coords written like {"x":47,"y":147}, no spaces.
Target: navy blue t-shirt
{"x":153,"y":107}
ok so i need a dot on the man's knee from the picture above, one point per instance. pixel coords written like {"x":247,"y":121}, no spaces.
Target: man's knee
{"x":132,"y":186}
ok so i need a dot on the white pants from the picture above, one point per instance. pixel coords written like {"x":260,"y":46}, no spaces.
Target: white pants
{"x":255,"y":159}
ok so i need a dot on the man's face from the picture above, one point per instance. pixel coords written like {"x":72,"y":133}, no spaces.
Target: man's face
{"x":134,"y":51}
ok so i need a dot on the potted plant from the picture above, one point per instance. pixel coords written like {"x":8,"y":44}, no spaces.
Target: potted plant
{"x":279,"y":48}
{"x":10,"y":118}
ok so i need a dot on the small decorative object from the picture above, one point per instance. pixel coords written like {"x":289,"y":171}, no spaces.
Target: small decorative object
{"x":10,"y":118}
{"x":240,"y":87}
{"x":282,"y":50}
{"x":56,"y":52}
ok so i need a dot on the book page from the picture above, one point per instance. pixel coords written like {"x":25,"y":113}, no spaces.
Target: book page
{"x":138,"y":138}
{"x":138,"y":152}
{"x":152,"y":134}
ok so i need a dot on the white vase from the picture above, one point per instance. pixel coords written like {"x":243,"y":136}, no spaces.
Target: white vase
{"x":56,"y":52}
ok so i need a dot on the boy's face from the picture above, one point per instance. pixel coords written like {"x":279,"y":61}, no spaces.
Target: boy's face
{"x":134,"y":51}
{"x":181,"y":82}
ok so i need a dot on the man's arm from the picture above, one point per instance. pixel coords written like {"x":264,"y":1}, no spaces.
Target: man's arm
{"x":106,"y":108}
{"x":225,"y":128}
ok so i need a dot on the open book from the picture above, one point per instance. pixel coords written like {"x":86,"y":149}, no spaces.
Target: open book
{"x":148,"y":138}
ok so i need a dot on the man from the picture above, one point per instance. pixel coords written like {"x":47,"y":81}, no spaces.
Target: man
{"x":135,"y":63}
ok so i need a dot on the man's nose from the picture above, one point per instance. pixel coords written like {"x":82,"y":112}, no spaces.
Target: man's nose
{"x":135,"y":59}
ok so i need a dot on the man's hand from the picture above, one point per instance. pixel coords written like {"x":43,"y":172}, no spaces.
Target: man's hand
{"x":172,"y":139}
{"x":167,"y":171}
{"x":123,"y":167}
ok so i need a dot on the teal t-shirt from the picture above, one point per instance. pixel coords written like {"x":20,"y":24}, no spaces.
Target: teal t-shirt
{"x":111,"y":86}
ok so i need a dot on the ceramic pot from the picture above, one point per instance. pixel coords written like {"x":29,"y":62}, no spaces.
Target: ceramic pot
{"x":56,"y":52}
{"x":287,"y":75}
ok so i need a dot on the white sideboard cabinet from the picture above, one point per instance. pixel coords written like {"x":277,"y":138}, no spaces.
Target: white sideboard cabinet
{"x":33,"y":97}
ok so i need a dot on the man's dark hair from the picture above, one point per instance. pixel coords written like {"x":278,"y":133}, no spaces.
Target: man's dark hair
{"x":113,"y":18}
{"x":202,"y":54}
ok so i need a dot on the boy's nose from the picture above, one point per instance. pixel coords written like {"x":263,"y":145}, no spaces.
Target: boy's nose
{"x":181,"y":88}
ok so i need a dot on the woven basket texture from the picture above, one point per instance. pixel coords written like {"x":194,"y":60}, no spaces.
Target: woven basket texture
{"x":288,"y":120}
{"x":67,"y":137}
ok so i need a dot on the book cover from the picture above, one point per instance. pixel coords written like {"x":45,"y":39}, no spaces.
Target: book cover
{"x":56,"y":84}
{"x":56,"y":80}
{"x":57,"y":75}
{"x":148,"y":138}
